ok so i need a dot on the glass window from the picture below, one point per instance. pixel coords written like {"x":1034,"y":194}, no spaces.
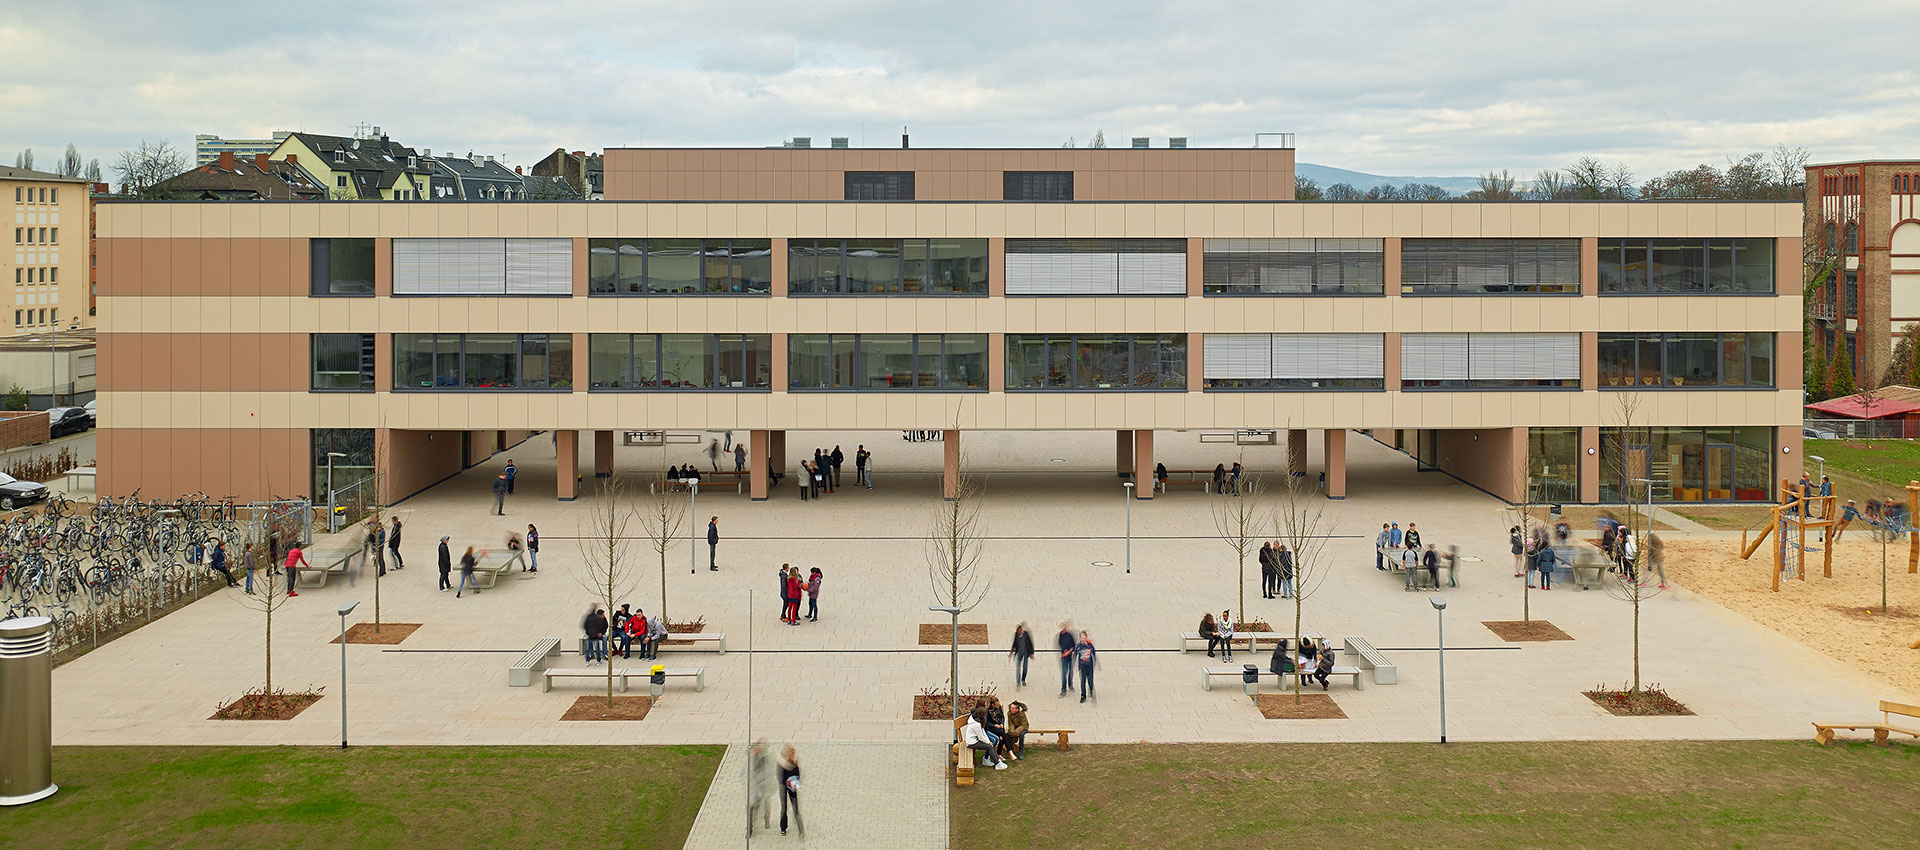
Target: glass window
{"x":342,"y":266}
{"x":965,"y":365}
{"x":610,"y":361}
{"x":1553,"y":464}
{"x":686,"y":361}
{"x":886,"y":267}
{"x":879,"y":185}
{"x":886,"y":362}
{"x":1669,"y":361}
{"x":679,"y":361}
{"x":355,"y":464}
{"x":680,"y":266}
{"x":1489,"y":266}
{"x":1688,"y":266}
{"x":873,"y":266}
{"x":1096,"y":267}
{"x":1037,"y":186}
{"x":341,"y":361}
{"x":492,"y":362}
{"x":483,"y":361}
{"x":1096,"y":362}
{"x":1294,"y":267}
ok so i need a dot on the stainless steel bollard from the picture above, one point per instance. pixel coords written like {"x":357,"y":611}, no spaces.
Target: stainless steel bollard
{"x":26,"y":710}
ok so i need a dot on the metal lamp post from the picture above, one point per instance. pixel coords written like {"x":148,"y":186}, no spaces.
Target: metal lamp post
{"x":953,"y":689}
{"x":1129,"y":492}
{"x":332,"y":515}
{"x":693,"y":520}
{"x":1823,"y":464}
{"x":344,"y":611}
{"x":1440,"y":613}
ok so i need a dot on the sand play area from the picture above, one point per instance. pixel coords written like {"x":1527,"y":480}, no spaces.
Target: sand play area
{"x":1840,"y":616}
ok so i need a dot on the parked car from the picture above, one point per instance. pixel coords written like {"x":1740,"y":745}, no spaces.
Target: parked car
{"x":1807,"y":433}
{"x":15,"y":493}
{"x":62,"y":421}
{"x":92,"y":415}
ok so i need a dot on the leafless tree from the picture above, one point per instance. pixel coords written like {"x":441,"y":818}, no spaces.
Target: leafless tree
{"x":147,"y":166}
{"x":663,"y":519}
{"x":1522,"y":510}
{"x":1305,"y":189}
{"x":956,"y":541}
{"x":1344,"y":192}
{"x":1303,"y":527}
{"x":24,"y":159}
{"x":254,"y":551}
{"x":1550,"y":185}
{"x":1624,"y":582}
{"x":1789,"y":167}
{"x":1243,"y":523}
{"x":1495,"y":187}
{"x":70,"y":164}
{"x":605,"y":551}
{"x":92,"y":173}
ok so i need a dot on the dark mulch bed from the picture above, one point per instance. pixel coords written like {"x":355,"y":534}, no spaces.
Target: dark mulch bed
{"x":1310,"y":707}
{"x":387,"y":635}
{"x":934,"y":706}
{"x":941,"y":634}
{"x":1646,"y":702}
{"x":1514,"y":631}
{"x":685,"y":629}
{"x":595,"y":708}
{"x":260,"y":705}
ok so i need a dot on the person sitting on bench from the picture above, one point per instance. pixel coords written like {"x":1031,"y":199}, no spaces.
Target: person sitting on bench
{"x":1211,"y":632}
{"x":1324,"y":668}
{"x":1282,"y":662}
{"x":1015,"y":742}
{"x":974,"y":736}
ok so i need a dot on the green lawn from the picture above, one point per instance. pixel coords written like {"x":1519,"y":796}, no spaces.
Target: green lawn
{"x":1561,"y":794}
{"x":1864,"y":463}
{"x":373,"y":797}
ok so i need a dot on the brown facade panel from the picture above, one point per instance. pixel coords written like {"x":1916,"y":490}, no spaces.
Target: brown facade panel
{"x":245,"y":463}
{"x":157,"y":362}
{"x":133,"y":266}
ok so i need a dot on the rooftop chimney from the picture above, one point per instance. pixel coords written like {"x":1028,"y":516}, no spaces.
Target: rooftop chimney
{"x":293,"y":159}
{"x":903,"y":139}
{"x":579,"y":153}
{"x":1139,"y":142}
{"x":260,"y":161}
{"x":226,"y":160}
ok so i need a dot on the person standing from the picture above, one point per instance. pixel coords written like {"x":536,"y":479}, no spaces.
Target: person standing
{"x":512,"y":472}
{"x":790,"y":790}
{"x":516,"y":551}
{"x":1519,"y":546}
{"x":787,"y":604}
{"x":533,"y":548}
{"x":1543,"y":564}
{"x":247,"y":558}
{"x":757,"y":780}
{"x":837,"y":459}
{"x":218,"y":561}
{"x":713,"y":454}
{"x":740,"y":457}
{"x":1410,"y":554}
{"x":468,"y":561}
{"x":728,"y":445}
{"x":795,"y":589}
{"x":1084,"y":653}
{"x":820,"y":475}
{"x":596,"y":630}
{"x":1021,"y":653}
{"x":446,"y":565}
{"x":1285,"y":566}
{"x":713,"y":544}
{"x":1066,"y":643}
{"x":295,"y":556}
{"x":1160,"y":477}
{"x":1629,"y":557}
{"x":813,"y":595}
{"x":1268,"y":578}
{"x":1657,"y":551}
{"x":376,"y":545}
{"x":1431,"y":560}
{"x":393,"y":544}
{"x":1380,"y":546}
{"x":863,"y":466}
{"x":500,"y":495}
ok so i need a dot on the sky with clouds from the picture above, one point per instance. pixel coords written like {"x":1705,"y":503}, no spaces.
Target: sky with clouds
{"x":1388,"y":87}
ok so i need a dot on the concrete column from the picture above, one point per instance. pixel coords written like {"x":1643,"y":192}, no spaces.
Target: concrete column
{"x":1589,"y":360}
{"x":1390,"y":255}
{"x":382,"y":268}
{"x":777,"y":451}
{"x":757,"y":446}
{"x":1335,"y":442}
{"x":1589,"y":265}
{"x":1297,"y":451}
{"x":777,"y":369}
{"x":1519,"y":475}
{"x":779,"y":288}
{"x":1196,"y":364}
{"x":1390,"y":361}
{"x":950,"y":481}
{"x":996,"y":266}
{"x":1790,"y":463}
{"x":602,"y":454}
{"x":1589,"y":464}
{"x":1196,"y":271}
{"x":581,"y":257}
{"x":996,"y":363}
{"x":1143,"y":462}
{"x":1123,"y":453}
{"x":566,"y":447}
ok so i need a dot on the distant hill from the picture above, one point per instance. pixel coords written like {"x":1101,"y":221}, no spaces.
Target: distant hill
{"x":1327,"y":175}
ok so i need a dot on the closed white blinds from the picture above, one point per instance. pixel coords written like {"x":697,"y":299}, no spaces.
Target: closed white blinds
{"x":482,"y":266}
{"x":1306,"y":356}
{"x":1096,"y":267}
{"x":1489,"y":357}
{"x":1433,"y":357}
{"x":539,"y":267}
{"x":1237,"y":356}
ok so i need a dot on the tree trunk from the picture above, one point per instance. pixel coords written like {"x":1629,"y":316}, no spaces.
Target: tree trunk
{"x":1636,"y":633}
{"x":1296,"y":642}
{"x":1243,"y":585}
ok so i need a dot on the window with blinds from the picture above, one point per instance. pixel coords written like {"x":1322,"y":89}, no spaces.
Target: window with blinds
{"x":1294,"y":267}
{"x":483,"y":267}
{"x":1037,"y":186}
{"x":1293,"y":361}
{"x":1489,"y":266}
{"x":1489,"y":361}
{"x":1096,"y":267}
{"x":879,"y":185}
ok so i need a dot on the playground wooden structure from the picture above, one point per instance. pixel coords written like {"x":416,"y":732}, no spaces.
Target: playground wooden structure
{"x":1799,"y":511}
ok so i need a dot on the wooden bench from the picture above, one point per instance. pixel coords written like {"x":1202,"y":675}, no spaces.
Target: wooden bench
{"x":1060,"y":733}
{"x":697,"y":674}
{"x":1823,"y":732}
{"x":1202,"y":486}
{"x":520,"y":675}
{"x":962,"y":760}
{"x":1369,"y":658}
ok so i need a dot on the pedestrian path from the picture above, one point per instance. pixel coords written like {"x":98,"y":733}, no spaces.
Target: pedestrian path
{"x":851,"y":796}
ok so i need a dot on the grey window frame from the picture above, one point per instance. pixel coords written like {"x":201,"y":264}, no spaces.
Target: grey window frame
{"x":899,"y":290}
{"x":520,"y":341}
{"x":320,"y":267}
{"x":877,"y":186}
{"x":1036,"y":186}
{"x":942,"y":385}
{"x":1117,"y":247}
{"x":1410,"y":255}
{"x":1072,"y":341}
{"x":367,"y":370}
{"x":1212,"y":261}
{"x":1612,"y":254}
{"x":712,"y":342}
{"x":1659,"y":340}
{"x":733,"y":248}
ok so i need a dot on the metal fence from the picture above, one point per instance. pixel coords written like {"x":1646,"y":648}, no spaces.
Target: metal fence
{"x":1860,"y":429}
{"x":352,"y":503}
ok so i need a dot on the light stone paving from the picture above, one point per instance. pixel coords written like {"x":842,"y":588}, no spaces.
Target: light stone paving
{"x":854,"y":796}
{"x":850,"y":678}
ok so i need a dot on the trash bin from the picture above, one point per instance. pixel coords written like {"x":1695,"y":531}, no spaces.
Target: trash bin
{"x":657,"y":680}
{"x":1553,"y":510}
{"x":1250,"y":678}
{"x":26,"y":710}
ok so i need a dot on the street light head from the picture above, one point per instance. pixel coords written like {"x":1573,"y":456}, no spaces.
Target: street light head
{"x":945,"y":609}
{"x":1439,"y":602}
{"x":1816,"y":458}
{"x":336,"y":454}
{"x":1128,"y":485}
{"x":348,"y":607}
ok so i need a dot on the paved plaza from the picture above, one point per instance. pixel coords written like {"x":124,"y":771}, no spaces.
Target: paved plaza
{"x":1054,"y":509}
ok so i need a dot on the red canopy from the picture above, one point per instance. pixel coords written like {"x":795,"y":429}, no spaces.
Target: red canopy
{"x":1853,"y":407}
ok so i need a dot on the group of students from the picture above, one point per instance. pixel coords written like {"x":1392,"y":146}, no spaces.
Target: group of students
{"x":1315,"y":661}
{"x":1276,"y":570}
{"x":788,"y":790}
{"x":793,"y":588}
{"x":1000,"y":734}
{"x":1074,"y":653}
{"x":1623,"y":549}
{"x":627,"y":626}
{"x":1533,"y":556}
{"x":822,"y":473}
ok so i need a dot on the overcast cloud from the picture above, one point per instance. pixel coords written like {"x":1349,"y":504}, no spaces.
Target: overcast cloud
{"x":1406,"y":88}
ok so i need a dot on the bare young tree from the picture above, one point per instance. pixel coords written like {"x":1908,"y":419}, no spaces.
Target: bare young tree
{"x":1243,"y":523}
{"x":147,"y":166}
{"x":92,"y":174}
{"x":663,"y":519}
{"x":956,"y":541}
{"x":605,"y":551}
{"x":70,"y":163}
{"x":255,"y":551}
{"x":24,"y":159}
{"x":1303,"y":527}
{"x":1627,"y":580}
{"x":1522,"y":510}
{"x":1495,"y":187}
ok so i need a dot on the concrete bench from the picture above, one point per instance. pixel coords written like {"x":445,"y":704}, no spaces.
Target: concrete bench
{"x":599,"y":673}
{"x":520,"y":675}
{"x":1337,"y":670}
{"x":719,"y":639}
{"x":1207,"y":674}
{"x":1823,"y":732}
{"x":708,"y":481}
{"x":1369,"y":658}
{"x":1250,"y":638}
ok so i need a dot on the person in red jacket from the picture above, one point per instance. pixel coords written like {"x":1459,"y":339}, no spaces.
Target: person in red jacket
{"x":636,"y":628}
{"x":795,"y":587}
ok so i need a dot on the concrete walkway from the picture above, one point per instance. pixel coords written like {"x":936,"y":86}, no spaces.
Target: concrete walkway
{"x":880,"y":796}
{"x":1057,"y":552}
